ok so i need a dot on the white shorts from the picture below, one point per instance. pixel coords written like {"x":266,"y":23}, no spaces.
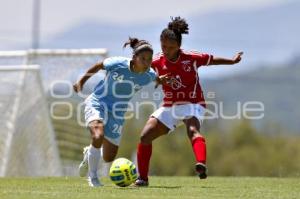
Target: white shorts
{"x":172,"y":116}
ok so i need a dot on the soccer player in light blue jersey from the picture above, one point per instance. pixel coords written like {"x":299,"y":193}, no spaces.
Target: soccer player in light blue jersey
{"x":106,"y":106}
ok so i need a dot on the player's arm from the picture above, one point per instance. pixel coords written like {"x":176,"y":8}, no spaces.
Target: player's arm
{"x":93,"y":70}
{"x":224,"y":61}
{"x":163,"y":79}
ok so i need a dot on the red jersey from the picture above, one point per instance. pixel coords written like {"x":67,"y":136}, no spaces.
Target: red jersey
{"x":185,"y":85}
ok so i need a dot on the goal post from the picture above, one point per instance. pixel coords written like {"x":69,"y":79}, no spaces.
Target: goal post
{"x":58,"y":70}
{"x":28,"y":146}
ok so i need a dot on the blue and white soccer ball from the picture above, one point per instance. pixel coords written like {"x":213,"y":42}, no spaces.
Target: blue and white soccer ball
{"x":122,"y":172}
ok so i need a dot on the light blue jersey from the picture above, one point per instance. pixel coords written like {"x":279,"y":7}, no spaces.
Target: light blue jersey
{"x":120,"y":83}
{"x":110,"y":98}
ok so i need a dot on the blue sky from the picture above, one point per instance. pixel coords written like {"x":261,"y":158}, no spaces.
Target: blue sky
{"x":58,"y":16}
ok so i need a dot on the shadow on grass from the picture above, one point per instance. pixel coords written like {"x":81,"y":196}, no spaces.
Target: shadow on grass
{"x":151,"y":187}
{"x":203,"y":187}
{"x":207,"y":187}
{"x":174,"y":187}
{"x":163,"y":187}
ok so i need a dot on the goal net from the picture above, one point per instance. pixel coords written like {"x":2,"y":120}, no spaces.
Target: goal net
{"x":59,"y":69}
{"x":27,"y":144}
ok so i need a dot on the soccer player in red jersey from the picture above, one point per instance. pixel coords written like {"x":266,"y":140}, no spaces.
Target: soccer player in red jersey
{"x":183,"y":97}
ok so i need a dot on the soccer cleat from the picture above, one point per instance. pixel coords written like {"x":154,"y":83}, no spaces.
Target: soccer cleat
{"x":201,"y":170}
{"x":94,"y":182}
{"x":141,"y":183}
{"x":84,"y":167}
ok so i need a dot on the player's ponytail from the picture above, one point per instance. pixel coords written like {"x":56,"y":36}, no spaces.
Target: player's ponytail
{"x":176,"y":28}
{"x":138,"y":45}
{"x":132,"y":42}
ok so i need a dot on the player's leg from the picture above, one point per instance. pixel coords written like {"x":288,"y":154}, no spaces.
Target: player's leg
{"x":152,"y":130}
{"x":109,"y":150}
{"x":87,"y":151}
{"x":198,"y":144}
{"x":94,"y":115}
{"x":94,"y":154}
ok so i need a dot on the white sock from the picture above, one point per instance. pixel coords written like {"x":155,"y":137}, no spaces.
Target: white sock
{"x":93,"y":160}
{"x":101,"y":151}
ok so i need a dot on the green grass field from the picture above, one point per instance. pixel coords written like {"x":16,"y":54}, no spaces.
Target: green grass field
{"x":161,"y":187}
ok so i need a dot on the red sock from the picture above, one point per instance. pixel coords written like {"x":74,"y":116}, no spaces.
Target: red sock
{"x":144,"y":152}
{"x":199,"y":148}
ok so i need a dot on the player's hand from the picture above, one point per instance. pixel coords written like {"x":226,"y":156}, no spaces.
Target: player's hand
{"x":163,"y":79}
{"x":237,"y":58}
{"x":77,"y":87}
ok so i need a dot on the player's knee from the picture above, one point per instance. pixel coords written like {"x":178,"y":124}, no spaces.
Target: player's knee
{"x":146,"y":134}
{"x":96,"y":130}
{"x":97,"y":137}
{"x":145,"y":139}
{"x":97,"y":134}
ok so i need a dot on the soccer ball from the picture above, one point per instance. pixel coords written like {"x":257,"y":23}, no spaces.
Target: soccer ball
{"x":122,"y":172}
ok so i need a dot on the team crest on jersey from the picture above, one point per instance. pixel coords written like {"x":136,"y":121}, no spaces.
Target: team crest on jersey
{"x":187,"y":68}
{"x":176,"y":83}
{"x":164,"y":67}
{"x":186,"y":65}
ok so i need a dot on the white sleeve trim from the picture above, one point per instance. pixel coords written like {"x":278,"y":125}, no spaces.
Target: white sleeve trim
{"x":208,"y":61}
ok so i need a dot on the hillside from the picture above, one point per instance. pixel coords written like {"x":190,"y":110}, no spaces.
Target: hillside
{"x":265,"y":34}
{"x":276,"y":87}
